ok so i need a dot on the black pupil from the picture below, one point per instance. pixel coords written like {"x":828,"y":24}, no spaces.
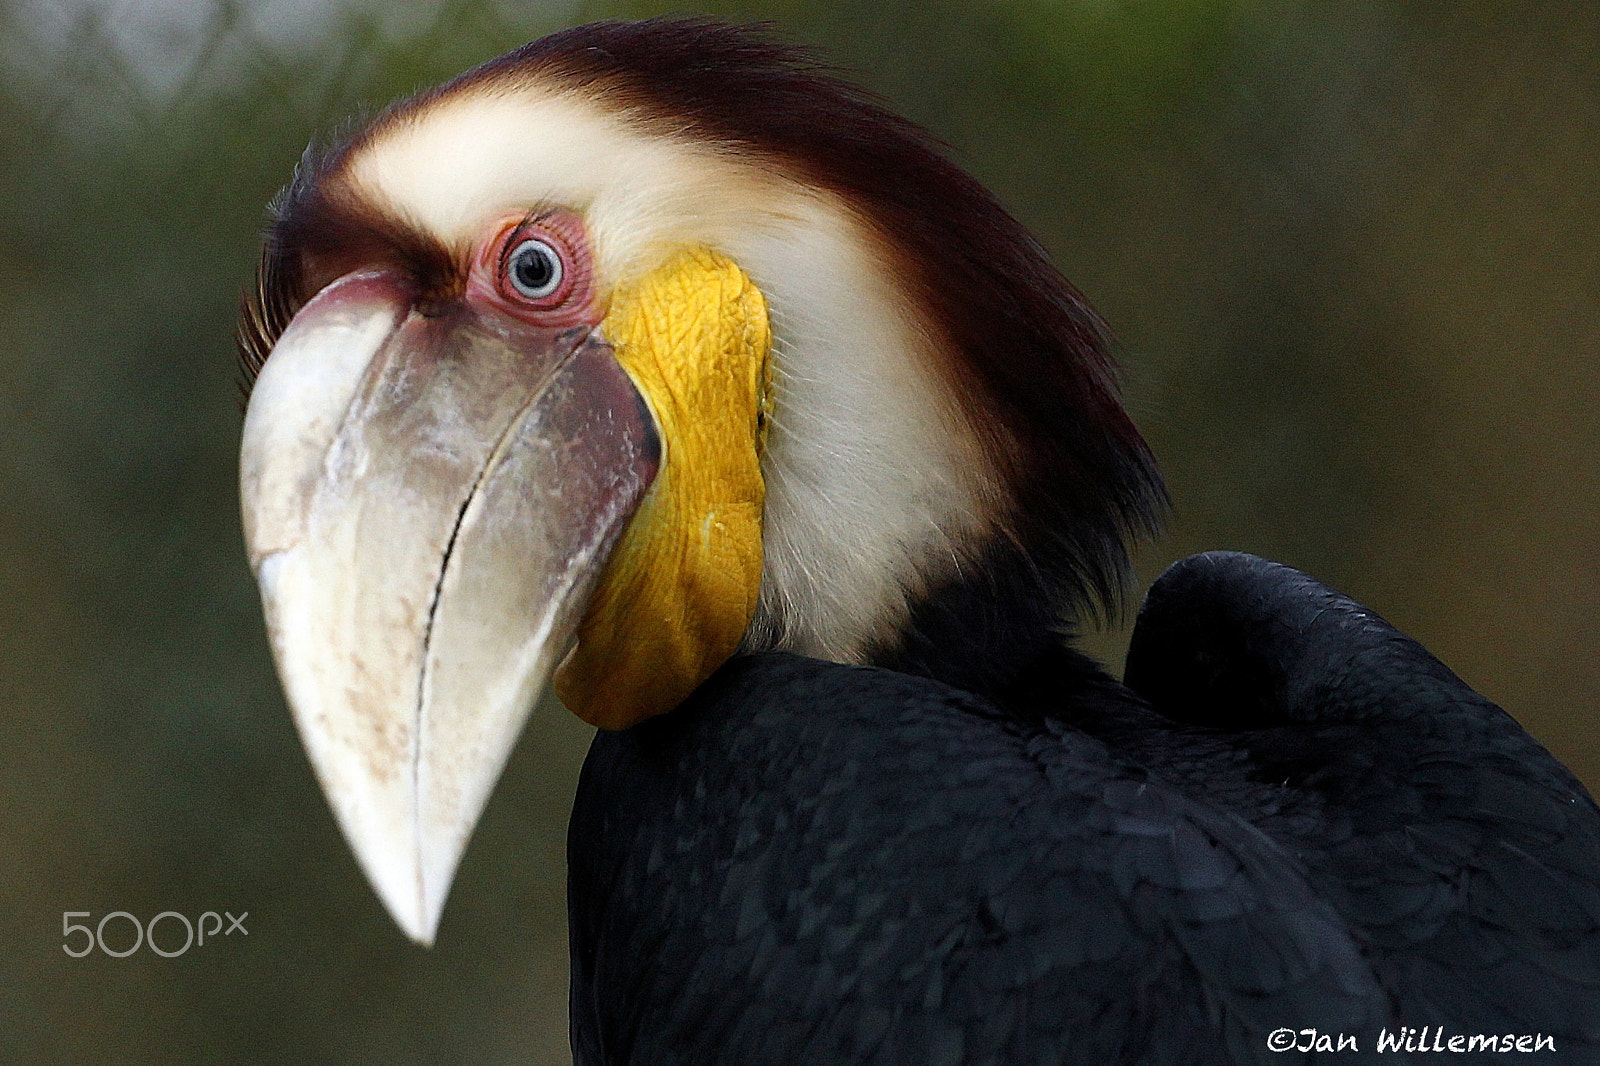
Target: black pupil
{"x":534,"y":268}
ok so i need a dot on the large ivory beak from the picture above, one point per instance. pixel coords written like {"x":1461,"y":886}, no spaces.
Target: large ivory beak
{"x":428,"y":503}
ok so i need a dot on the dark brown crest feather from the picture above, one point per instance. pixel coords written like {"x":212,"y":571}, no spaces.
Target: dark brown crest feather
{"x":267,"y":306}
{"x":315,"y":235}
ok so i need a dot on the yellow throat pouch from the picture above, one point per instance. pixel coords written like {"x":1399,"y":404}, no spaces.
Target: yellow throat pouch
{"x":681,"y":586}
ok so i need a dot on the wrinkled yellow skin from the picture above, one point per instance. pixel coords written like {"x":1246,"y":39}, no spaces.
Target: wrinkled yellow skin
{"x":680,"y":588}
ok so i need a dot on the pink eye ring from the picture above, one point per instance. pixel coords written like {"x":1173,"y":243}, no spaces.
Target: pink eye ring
{"x":536,"y":269}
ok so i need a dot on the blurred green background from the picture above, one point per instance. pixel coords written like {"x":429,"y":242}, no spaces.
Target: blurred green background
{"x":1351,"y":251}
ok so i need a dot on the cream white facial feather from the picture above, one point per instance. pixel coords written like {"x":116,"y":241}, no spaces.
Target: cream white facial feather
{"x":876,"y":484}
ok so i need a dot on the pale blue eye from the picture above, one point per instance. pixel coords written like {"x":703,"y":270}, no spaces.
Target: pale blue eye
{"x":534,"y":269}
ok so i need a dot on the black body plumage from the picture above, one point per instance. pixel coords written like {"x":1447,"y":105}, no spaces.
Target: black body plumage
{"x":1291,"y":817}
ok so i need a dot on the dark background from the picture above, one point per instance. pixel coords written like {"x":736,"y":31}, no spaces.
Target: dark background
{"x":1352,"y":254}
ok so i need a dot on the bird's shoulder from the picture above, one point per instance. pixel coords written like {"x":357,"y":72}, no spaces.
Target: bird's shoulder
{"x":1465,"y":853}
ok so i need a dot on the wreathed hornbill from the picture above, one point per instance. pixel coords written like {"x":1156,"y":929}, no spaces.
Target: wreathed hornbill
{"x":652,"y":362}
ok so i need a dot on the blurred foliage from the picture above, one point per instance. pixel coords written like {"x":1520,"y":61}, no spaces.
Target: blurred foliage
{"x":1352,"y":253}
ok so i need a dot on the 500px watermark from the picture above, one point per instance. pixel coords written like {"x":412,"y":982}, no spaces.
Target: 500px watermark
{"x":194,"y":933}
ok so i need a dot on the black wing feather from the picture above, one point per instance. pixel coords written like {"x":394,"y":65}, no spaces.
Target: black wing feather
{"x":1466,"y":852}
{"x":1310,"y":823}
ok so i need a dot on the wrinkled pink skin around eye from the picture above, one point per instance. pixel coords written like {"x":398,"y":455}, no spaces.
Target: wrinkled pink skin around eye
{"x":573,"y":302}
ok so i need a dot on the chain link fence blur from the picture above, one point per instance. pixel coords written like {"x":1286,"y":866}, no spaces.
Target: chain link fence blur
{"x":1352,"y":253}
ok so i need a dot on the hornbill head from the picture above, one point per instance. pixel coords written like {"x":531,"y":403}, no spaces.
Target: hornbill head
{"x":640,"y":346}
